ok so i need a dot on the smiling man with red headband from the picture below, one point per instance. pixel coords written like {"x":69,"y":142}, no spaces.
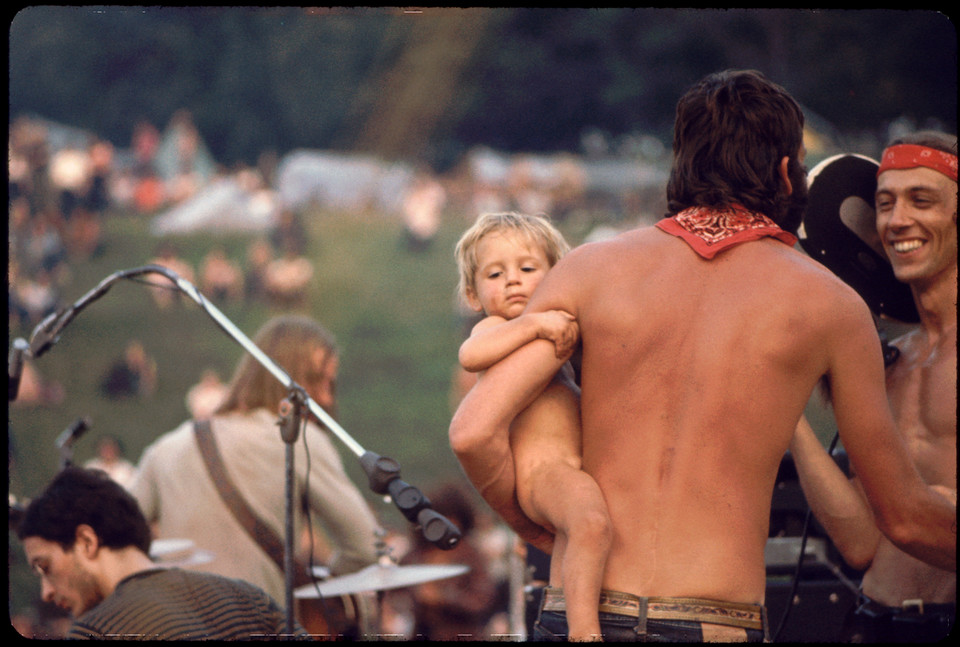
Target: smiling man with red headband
{"x":904,"y":598}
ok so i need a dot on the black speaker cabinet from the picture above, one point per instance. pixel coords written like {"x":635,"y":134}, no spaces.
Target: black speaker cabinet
{"x":817,"y":612}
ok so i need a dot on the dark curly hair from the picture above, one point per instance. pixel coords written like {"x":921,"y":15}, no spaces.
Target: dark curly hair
{"x":732,"y":130}
{"x":78,"y":496}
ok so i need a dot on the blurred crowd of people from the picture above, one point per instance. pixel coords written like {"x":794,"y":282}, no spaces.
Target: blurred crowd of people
{"x":64,"y":183}
{"x":56,"y":201}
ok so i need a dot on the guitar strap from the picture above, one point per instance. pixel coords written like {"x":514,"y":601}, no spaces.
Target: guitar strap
{"x":259,"y":531}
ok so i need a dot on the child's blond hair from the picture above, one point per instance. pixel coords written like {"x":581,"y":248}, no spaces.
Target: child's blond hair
{"x":536,"y":229}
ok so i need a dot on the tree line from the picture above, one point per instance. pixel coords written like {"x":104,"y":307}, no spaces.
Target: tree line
{"x":431,"y":83}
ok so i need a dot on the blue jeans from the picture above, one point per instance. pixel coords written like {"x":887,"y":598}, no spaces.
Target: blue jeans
{"x":551,"y":626}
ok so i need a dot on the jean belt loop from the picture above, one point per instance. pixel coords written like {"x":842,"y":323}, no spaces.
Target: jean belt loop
{"x":641,"y":627}
{"x":766,"y":624}
{"x":915,"y":605}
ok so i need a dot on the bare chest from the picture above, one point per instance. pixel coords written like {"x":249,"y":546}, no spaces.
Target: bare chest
{"x":922,"y":389}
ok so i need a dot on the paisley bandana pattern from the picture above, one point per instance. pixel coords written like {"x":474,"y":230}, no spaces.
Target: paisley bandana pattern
{"x":710,"y":230}
{"x":904,"y":156}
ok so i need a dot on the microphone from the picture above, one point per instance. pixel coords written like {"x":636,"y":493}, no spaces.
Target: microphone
{"x":438,"y":530}
{"x":72,"y":433}
{"x":15,"y":367}
{"x":384,"y":476}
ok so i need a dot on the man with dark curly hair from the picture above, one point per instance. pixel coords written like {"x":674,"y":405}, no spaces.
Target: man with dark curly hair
{"x":88,"y":541}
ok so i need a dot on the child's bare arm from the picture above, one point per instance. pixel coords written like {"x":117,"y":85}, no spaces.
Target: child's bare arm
{"x":495,"y":337}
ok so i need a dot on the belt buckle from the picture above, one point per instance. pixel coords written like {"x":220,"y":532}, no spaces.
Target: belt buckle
{"x":915,"y":605}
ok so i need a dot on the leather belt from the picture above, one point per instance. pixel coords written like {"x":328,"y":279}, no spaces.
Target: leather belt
{"x":908,"y":607}
{"x":733,"y":614}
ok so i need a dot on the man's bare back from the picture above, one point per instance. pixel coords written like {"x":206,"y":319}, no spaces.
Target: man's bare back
{"x":690,"y":397}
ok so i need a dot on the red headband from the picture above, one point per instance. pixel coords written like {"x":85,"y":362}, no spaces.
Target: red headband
{"x":903,"y":156}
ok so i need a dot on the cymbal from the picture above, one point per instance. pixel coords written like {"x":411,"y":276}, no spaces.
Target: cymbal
{"x":178,"y":553}
{"x":161,"y":548}
{"x":378,"y":577}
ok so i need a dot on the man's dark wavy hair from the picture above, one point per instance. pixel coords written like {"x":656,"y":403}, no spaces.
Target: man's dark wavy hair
{"x":79,"y":496}
{"x":732,"y":129}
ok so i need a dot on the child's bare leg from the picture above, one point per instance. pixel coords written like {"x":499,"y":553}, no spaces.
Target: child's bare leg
{"x":571,"y":502}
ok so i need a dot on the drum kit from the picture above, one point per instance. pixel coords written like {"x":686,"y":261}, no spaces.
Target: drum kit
{"x":382,"y":576}
{"x":356,"y":611}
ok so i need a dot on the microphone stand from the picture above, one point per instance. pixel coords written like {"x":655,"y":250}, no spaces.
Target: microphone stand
{"x":291,"y":416}
{"x":383,"y":473}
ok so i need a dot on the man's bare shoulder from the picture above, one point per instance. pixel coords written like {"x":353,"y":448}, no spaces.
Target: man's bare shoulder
{"x":833,"y":316}
{"x":777,"y":262}
{"x":815,"y":280}
{"x":640,"y":242}
{"x":640,"y":235}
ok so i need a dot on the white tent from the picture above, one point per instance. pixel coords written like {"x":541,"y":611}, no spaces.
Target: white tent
{"x":341,"y":181}
{"x":222,"y":205}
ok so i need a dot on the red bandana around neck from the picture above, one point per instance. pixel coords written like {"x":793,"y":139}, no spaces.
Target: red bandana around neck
{"x":710,"y":230}
{"x":905,"y":156}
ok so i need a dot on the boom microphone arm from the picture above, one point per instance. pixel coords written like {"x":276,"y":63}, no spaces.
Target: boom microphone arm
{"x":47,"y":333}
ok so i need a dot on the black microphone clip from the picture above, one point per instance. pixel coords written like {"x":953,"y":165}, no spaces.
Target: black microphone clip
{"x":384,"y":476}
{"x":72,"y":433}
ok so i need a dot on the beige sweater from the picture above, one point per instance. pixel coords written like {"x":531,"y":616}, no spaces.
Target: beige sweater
{"x":178,"y":496}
